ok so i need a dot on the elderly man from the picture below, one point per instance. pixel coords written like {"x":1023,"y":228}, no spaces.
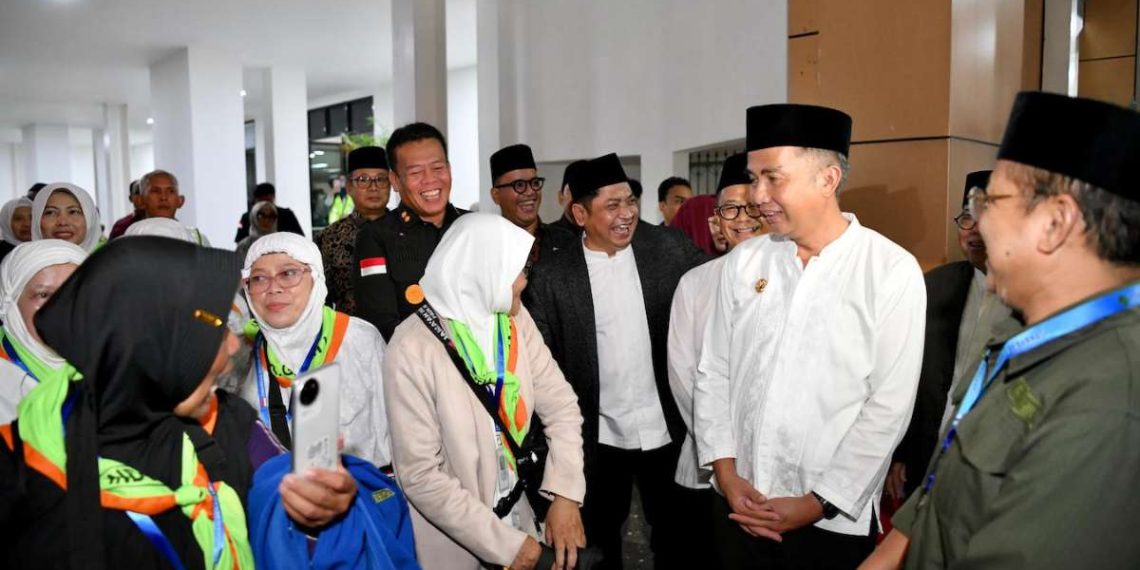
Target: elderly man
{"x":603,"y":308}
{"x":811,"y":357}
{"x":160,"y":198}
{"x":369,"y":187}
{"x":1037,"y":467}
{"x":392,"y":252}
{"x":517,"y":189}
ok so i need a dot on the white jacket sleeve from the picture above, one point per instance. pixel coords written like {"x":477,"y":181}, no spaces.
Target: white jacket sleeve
{"x":712,"y":407}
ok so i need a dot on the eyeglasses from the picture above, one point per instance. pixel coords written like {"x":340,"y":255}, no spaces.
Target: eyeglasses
{"x":287,"y":279}
{"x":520,"y":186}
{"x":977,"y":200}
{"x":377,"y":181}
{"x":965,"y":221}
{"x":732,"y":211}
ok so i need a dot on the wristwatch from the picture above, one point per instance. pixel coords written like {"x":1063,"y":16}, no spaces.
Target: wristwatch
{"x":830,"y":511}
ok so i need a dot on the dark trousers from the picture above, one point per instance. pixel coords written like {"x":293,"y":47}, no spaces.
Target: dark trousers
{"x":609,"y":490}
{"x":699,"y":549}
{"x":808,"y":548}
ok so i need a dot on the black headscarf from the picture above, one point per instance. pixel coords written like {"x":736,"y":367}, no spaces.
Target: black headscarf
{"x":142,"y":319}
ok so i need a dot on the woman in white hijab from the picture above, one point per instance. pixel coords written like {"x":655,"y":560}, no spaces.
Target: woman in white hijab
{"x":166,"y":227}
{"x":295,"y":332}
{"x":262,"y":222}
{"x":449,"y":455}
{"x":29,"y":276}
{"x":67,"y":212}
{"x":15,"y":224}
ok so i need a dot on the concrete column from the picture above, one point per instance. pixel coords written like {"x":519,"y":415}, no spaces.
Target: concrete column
{"x":9,"y":188}
{"x":1060,"y":55}
{"x":47,"y":153}
{"x":286,"y":133}
{"x":118,"y":141}
{"x":419,"y":54}
{"x":102,"y":190}
{"x":198,"y":135}
{"x":488,"y":78}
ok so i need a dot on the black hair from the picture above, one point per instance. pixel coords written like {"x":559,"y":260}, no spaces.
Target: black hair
{"x":264,"y":189}
{"x":410,"y":133}
{"x":663,"y":188}
{"x":635,"y":185}
{"x":35,"y":189}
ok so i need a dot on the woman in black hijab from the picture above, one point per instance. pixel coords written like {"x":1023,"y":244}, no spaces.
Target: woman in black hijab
{"x":151,"y":469}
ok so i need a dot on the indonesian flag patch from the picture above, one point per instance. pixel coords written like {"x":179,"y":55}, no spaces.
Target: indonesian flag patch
{"x":373,"y":266}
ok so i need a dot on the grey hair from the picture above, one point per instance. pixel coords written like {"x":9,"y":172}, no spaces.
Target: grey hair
{"x":827,"y":158}
{"x":144,"y":182}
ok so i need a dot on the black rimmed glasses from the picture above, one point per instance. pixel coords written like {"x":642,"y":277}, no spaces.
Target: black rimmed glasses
{"x":730,"y":212}
{"x":377,"y":181}
{"x":977,"y":200}
{"x":965,"y":221}
{"x":521,"y":186}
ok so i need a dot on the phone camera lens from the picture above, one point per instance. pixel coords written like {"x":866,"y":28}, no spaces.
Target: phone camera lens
{"x":309,"y":392}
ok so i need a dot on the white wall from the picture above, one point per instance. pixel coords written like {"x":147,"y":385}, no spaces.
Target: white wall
{"x":83,"y":162}
{"x":463,"y":136}
{"x":648,"y":78}
{"x":142,"y":159}
{"x":9,"y":177}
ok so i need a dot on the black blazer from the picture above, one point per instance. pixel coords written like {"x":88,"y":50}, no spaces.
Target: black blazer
{"x":561,"y":302}
{"x":947,"y":287}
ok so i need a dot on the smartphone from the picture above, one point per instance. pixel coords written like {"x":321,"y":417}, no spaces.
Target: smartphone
{"x":316,"y":418}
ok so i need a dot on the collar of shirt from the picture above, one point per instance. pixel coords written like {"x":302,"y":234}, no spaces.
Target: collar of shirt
{"x":597,"y":257}
{"x":831,"y":250}
{"x":407,"y":217}
{"x":1022,"y":362}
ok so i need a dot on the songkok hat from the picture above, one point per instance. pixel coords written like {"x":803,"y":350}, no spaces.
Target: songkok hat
{"x":805,"y":126}
{"x":1097,"y":143}
{"x":734,"y":171}
{"x":367,"y":157}
{"x":597,"y":173}
{"x":514,"y":157}
{"x":979,"y":179}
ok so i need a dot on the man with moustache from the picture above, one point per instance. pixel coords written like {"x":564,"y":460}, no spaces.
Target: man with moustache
{"x":961,"y":316}
{"x":810,"y":359}
{"x":392,"y":252}
{"x":160,"y":198}
{"x":517,"y":190}
{"x":369,"y":188}
{"x":603,"y":308}
{"x":1038,"y":465}
{"x":692,"y":303}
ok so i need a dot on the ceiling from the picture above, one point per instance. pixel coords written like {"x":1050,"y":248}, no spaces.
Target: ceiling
{"x":60,"y":60}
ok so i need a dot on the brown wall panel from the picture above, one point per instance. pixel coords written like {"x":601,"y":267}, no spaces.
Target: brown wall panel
{"x":899,"y":190}
{"x":803,"y":16}
{"x":887,"y":64}
{"x":803,"y":70}
{"x":1110,"y":29}
{"x":1112,"y":80}
{"x":965,"y":157}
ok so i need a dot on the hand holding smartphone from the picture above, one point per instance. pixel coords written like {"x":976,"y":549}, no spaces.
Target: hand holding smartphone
{"x":316,"y":419}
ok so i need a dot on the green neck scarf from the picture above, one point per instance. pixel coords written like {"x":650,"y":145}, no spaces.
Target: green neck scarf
{"x":278,"y":369}
{"x":125,"y":488}
{"x":512,"y":409}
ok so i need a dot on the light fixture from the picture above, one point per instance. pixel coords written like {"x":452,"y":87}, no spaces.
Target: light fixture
{"x":243,"y":92}
{"x":319,"y":152}
{"x":150,"y":120}
{"x":321,"y":165}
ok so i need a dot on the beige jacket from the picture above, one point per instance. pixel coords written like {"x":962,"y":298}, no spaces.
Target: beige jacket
{"x":444,"y":449}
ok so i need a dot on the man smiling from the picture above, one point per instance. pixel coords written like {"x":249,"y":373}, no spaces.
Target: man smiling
{"x":392,"y":252}
{"x":603,"y":308}
{"x":517,"y":189}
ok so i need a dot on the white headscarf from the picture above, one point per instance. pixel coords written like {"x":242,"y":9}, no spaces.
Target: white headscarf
{"x":469,"y":277}
{"x":94,"y":231}
{"x":291,"y":344}
{"x":162,"y":227}
{"x":17,"y":269}
{"x":254,"y":229}
{"x":6,"y":214}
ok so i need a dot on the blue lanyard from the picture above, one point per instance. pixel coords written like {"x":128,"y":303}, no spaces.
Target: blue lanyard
{"x":15,"y":357}
{"x":1049,"y":330}
{"x":262,"y":377}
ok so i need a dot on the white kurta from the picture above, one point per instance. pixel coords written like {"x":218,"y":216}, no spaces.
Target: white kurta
{"x":629,"y":409}
{"x":810,"y":382}
{"x":14,"y":385}
{"x":363,"y":419}
{"x":693,"y":301}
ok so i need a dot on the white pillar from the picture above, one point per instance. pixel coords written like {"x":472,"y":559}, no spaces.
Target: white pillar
{"x":656,"y":166}
{"x":287,"y":140}
{"x":419,"y":54}
{"x":198,"y":135}
{"x":102,"y":189}
{"x":488,"y":79}
{"x":1060,"y":55}
{"x":8,"y":184}
{"x":47,"y":153}
{"x":118,"y":141}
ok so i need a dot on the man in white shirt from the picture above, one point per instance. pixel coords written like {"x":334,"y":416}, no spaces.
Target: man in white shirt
{"x":961,"y":317}
{"x":603,"y":309}
{"x":811,"y":357}
{"x":692,"y":303}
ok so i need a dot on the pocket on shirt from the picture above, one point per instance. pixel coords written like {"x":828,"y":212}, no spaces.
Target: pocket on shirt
{"x":988,"y":444}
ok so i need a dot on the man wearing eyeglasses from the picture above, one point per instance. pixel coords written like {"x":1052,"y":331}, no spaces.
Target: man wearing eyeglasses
{"x":517,"y":189}
{"x":369,"y":188}
{"x":961,"y":316}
